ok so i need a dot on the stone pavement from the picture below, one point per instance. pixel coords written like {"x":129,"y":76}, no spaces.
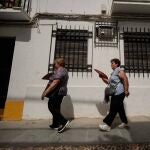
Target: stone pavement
{"x":81,"y":131}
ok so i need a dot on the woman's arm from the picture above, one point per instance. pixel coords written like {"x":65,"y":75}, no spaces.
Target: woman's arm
{"x":105,"y":80}
{"x":124,"y":78}
{"x":51,"y":87}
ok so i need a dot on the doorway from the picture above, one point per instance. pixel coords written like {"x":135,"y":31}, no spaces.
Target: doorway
{"x":6,"y":55}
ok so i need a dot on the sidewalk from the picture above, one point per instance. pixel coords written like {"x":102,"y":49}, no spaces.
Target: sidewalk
{"x":81,"y":132}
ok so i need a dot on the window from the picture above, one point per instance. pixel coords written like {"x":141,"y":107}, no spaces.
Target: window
{"x":10,"y":3}
{"x":137,"y":52}
{"x":72,"y":45}
{"x":106,"y":34}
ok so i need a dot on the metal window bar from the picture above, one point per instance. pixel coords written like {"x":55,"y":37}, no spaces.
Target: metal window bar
{"x":50,"y":51}
{"x":74,"y":46}
{"x":83,"y":46}
{"x":141,"y":51}
{"x":90,"y":66}
{"x":137,"y":51}
{"x":69,"y":48}
{"x":132,"y":56}
{"x":78,"y":54}
{"x":136,"y":40}
{"x":58,"y":46}
{"x":57,"y":55}
{"x":71,"y":44}
{"x":148,"y":56}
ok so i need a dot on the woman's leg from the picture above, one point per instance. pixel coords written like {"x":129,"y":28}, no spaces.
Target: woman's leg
{"x":51,"y":107}
{"x":112,"y":112}
{"x":121,"y":110}
{"x":57,"y":111}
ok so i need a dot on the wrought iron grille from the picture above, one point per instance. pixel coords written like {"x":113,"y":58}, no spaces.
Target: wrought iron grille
{"x":72,"y":45}
{"x":10,"y":3}
{"x":25,"y":4}
{"x":137,"y":52}
{"x":106,"y":34}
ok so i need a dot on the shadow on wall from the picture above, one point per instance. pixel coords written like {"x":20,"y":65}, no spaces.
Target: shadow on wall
{"x":67,"y":107}
{"x":103,"y":108}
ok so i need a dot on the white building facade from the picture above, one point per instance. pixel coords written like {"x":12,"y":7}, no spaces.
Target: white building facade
{"x":88,"y":35}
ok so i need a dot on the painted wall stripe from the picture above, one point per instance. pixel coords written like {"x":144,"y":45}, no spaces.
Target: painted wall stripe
{"x":13,"y":110}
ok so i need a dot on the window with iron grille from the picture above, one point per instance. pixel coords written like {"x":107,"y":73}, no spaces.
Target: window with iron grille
{"x":137,"y":52}
{"x":10,"y":3}
{"x":72,"y":45}
{"x":106,"y":34}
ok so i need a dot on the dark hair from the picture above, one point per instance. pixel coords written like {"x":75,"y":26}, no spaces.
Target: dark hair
{"x":116,"y":61}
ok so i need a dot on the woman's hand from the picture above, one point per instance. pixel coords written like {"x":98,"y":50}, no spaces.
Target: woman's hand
{"x":50,"y":88}
{"x":105,"y":80}
{"x":124,"y":78}
{"x":43,"y":95}
{"x":100,"y":76}
{"x":127,"y":93}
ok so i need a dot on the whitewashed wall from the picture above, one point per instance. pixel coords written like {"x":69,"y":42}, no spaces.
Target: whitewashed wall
{"x":30,"y":63}
{"x":71,"y":6}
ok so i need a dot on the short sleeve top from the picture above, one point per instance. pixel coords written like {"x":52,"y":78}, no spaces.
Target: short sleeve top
{"x":114,"y":79}
{"x":62,"y":75}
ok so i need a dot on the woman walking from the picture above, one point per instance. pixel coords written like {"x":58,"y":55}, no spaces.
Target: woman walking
{"x":119,"y":79}
{"x":55,"y":91}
